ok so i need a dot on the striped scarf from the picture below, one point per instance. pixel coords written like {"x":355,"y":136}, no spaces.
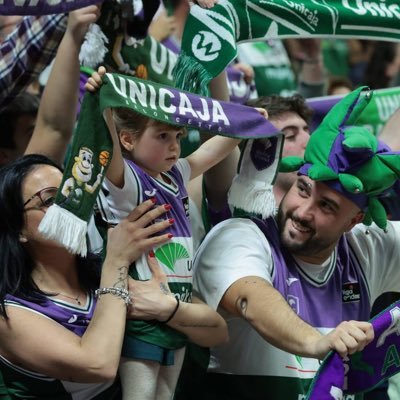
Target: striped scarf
{"x":210,"y":36}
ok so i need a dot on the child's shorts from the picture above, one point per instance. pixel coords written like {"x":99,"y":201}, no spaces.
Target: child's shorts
{"x":135,"y":348}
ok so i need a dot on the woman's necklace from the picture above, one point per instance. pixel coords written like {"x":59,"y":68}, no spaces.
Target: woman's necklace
{"x":71,"y":297}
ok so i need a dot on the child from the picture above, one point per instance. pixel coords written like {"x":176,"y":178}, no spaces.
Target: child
{"x":153,"y":353}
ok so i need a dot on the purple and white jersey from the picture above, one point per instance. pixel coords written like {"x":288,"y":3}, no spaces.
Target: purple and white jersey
{"x":360,"y":269}
{"x":344,"y":283}
{"x":73,"y":317}
{"x":175,"y":257}
{"x":23,"y":383}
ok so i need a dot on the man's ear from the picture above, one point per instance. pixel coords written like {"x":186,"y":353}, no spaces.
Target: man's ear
{"x":127,"y":139}
{"x":356,"y":220}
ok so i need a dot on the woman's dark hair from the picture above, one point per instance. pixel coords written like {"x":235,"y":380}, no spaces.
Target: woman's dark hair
{"x":24,"y":104}
{"x":16,"y":263}
{"x":376,"y":76}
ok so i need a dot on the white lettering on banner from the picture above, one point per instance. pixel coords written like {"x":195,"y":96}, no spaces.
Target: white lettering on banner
{"x":336,"y":393}
{"x":158,"y":64}
{"x":145,"y":95}
{"x":163,"y":92}
{"x":134,"y":93}
{"x":166,"y":59}
{"x":218,"y":113}
{"x":206,"y":115}
{"x":34,"y":3}
{"x":375,"y":9}
{"x":393,"y":328}
{"x":185,"y":106}
{"x":311,"y":15}
{"x":153,"y":98}
{"x":387,"y":105}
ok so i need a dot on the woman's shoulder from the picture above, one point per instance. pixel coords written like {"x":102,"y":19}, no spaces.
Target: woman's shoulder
{"x":75,"y":318}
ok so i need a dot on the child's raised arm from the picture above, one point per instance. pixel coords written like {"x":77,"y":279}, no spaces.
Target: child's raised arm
{"x":218,"y":156}
{"x":115,"y":172}
{"x":57,"y":111}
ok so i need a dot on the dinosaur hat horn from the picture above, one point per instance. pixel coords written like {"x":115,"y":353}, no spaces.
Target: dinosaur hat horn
{"x":350,"y":159}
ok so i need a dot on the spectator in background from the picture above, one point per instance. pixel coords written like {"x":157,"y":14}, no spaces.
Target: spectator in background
{"x":383,"y":67}
{"x":26,"y":51}
{"x":338,"y":86}
{"x":17,"y":122}
{"x":8,"y":24}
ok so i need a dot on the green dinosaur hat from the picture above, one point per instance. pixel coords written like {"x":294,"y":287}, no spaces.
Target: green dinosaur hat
{"x":349,"y":158}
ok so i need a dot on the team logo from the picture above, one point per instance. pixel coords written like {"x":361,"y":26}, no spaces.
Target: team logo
{"x":289,"y":281}
{"x":73,"y":319}
{"x":263,"y":152}
{"x":150,"y":193}
{"x":294,"y":303}
{"x":206,"y":46}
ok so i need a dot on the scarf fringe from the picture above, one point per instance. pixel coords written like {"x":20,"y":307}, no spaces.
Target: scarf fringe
{"x":93,"y":49}
{"x":191,"y":76}
{"x":65,"y":228}
{"x":251,"y":198}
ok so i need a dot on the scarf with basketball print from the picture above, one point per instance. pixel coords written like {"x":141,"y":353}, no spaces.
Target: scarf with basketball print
{"x":66,"y":221}
{"x":210,"y":36}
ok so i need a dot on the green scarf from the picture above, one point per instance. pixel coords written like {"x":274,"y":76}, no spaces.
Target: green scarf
{"x":210,"y":36}
{"x":143,"y":58}
{"x":66,"y":221}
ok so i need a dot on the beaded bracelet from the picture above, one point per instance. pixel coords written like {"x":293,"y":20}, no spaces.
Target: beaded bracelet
{"x":173,"y":312}
{"x":118,"y":292}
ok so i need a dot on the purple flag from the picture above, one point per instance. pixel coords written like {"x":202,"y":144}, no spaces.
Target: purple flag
{"x":42,"y":7}
{"x":364,"y":370}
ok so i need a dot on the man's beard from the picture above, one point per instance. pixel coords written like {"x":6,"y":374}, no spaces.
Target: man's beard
{"x":310,"y":246}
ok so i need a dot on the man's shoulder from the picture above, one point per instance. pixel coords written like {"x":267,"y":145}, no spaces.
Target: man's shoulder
{"x":234,"y":224}
{"x":231,"y":232}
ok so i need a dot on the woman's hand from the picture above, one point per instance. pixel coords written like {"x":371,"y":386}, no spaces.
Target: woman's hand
{"x":151,"y":299}
{"x":135,"y":234}
{"x":79,"y":21}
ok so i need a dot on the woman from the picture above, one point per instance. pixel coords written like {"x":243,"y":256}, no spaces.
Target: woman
{"x":60,"y":336}
{"x":55,"y":340}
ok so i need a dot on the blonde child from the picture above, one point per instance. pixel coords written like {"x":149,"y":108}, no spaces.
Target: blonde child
{"x":152,"y":352}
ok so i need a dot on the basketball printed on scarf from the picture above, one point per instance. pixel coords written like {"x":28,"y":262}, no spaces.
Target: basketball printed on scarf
{"x":104,"y":157}
{"x":141,"y":72}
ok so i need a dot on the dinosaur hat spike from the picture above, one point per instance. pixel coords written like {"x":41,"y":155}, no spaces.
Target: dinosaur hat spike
{"x":343,"y":111}
{"x":349,"y":158}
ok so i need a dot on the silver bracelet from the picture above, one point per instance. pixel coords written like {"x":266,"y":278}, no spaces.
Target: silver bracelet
{"x":118,"y":292}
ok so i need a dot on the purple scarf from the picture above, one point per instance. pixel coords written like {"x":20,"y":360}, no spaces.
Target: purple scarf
{"x":43,"y":7}
{"x":364,"y":370}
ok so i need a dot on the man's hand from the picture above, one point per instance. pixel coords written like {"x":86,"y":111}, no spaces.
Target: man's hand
{"x":347,"y":338}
